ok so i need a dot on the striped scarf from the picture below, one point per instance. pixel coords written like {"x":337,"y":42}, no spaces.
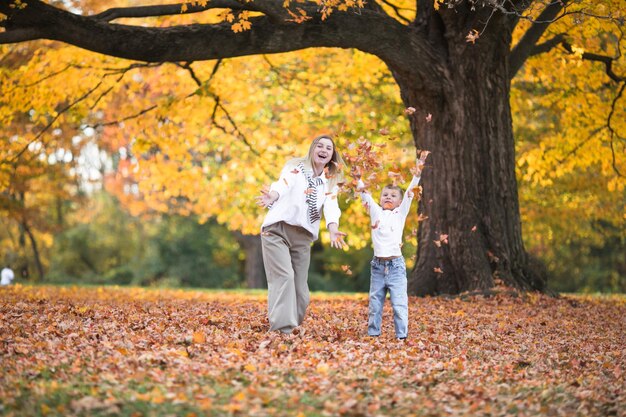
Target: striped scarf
{"x":311,"y":195}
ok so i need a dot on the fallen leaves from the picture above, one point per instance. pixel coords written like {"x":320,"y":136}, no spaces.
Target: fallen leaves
{"x":193,"y":352}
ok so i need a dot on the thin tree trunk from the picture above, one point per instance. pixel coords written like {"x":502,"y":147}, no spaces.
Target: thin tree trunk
{"x":253,"y":264}
{"x":33,"y":244}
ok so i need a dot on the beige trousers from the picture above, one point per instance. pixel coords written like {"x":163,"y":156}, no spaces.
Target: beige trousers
{"x":286,"y":257}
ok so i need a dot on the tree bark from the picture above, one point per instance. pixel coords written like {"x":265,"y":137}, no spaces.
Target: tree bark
{"x":469,"y":184}
{"x":33,"y":244}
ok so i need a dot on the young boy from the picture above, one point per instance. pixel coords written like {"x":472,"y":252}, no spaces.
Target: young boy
{"x":388,"y":270}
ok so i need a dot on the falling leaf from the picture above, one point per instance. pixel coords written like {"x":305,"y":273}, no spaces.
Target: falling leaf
{"x":472,"y":36}
{"x":429,"y":117}
{"x":285,"y":180}
{"x":438,"y":270}
{"x":409,"y":110}
{"x":346,"y":269}
{"x":474,"y":229}
{"x":375,"y":225}
{"x":309,"y":191}
{"x":295,"y":171}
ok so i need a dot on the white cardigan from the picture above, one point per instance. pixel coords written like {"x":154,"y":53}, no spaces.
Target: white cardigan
{"x":291,"y":206}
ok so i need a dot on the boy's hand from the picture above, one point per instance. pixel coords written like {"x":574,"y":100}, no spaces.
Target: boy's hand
{"x":420,"y":163}
{"x":422,"y":157}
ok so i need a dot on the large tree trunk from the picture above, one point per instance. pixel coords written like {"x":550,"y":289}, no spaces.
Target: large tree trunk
{"x":469,"y":184}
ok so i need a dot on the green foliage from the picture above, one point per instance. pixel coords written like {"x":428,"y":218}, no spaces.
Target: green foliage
{"x":326,"y":273}
{"x":586,"y":266}
{"x":185,"y":253}
{"x":113,"y":247}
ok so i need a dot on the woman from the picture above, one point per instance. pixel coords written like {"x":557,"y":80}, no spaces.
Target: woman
{"x":305,"y":187}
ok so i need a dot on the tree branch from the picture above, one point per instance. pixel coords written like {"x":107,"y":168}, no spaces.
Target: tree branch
{"x":218,"y":103}
{"x":215,"y":41}
{"x":613,"y":132}
{"x":50,"y":123}
{"x":397,"y":11}
{"x":163,"y":10}
{"x":523,"y":49}
{"x":548,"y":45}
{"x":19,"y":35}
{"x":606,"y":60}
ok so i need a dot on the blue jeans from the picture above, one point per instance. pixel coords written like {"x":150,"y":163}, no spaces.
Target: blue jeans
{"x":388,"y":275}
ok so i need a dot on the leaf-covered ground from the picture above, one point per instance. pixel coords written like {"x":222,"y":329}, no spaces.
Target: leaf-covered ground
{"x":135,"y":352}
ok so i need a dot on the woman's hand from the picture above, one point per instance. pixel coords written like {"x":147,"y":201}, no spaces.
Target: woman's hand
{"x":336,"y":237}
{"x":266,"y":198}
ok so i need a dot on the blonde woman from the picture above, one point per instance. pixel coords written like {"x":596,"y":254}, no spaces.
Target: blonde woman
{"x":307,"y":187}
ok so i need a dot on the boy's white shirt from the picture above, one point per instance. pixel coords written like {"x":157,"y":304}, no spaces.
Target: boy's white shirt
{"x":291,"y":206}
{"x":388,"y":225}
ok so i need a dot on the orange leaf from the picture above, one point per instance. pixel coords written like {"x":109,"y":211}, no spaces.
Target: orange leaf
{"x":199,"y":337}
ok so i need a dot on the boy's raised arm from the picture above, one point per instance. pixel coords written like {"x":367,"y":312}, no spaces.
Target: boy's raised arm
{"x":417,"y":175}
{"x":366,"y":197}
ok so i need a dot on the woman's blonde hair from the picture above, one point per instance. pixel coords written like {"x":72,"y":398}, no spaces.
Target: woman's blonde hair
{"x":335,"y":165}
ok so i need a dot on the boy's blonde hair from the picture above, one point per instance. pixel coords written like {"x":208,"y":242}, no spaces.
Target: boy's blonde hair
{"x":335,"y":166}
{"x":393,"y":187}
